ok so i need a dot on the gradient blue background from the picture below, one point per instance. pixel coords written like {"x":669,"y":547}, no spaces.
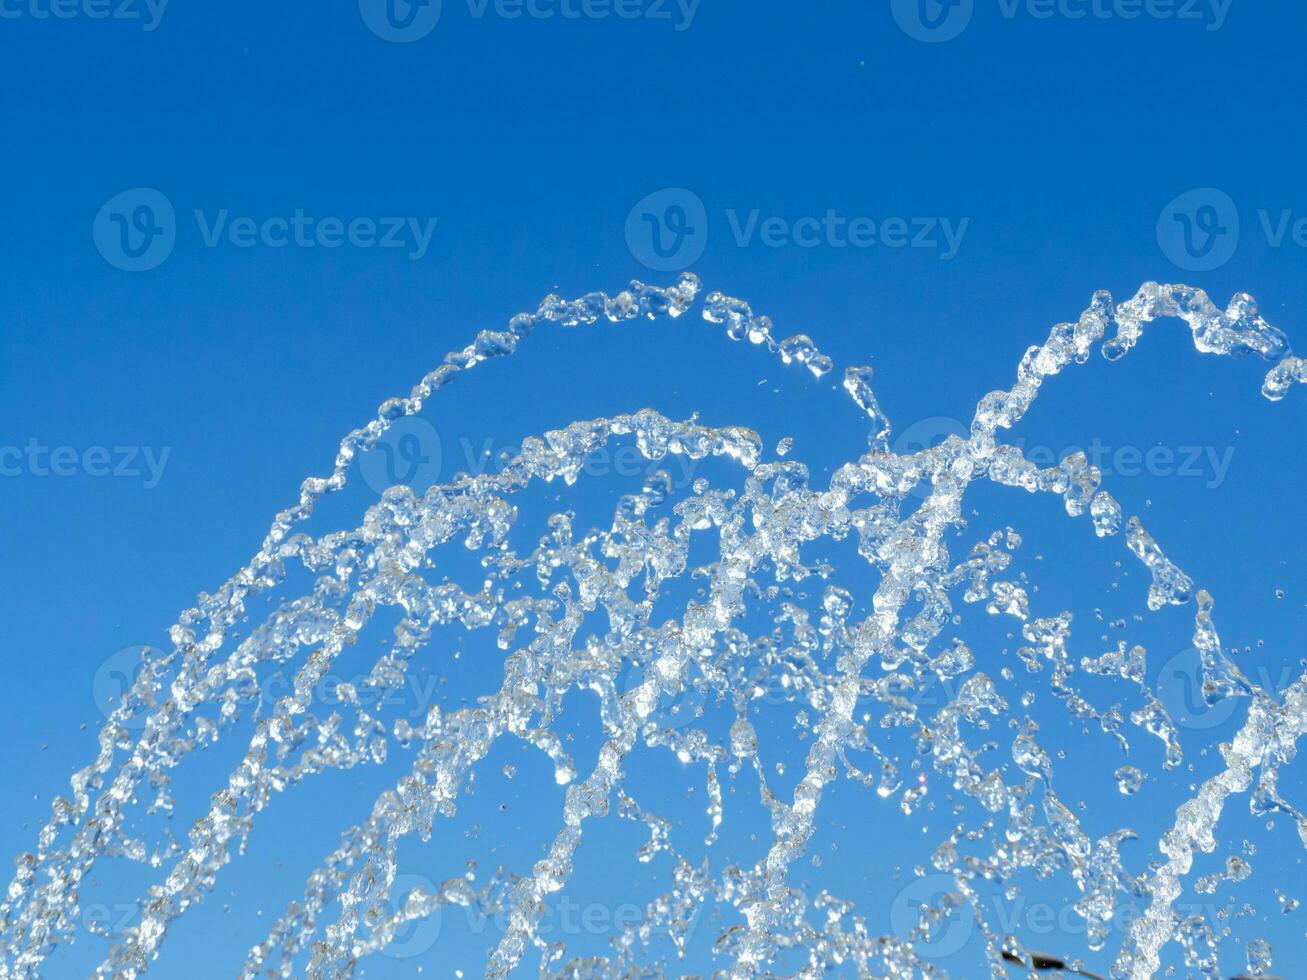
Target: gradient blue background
{"x":1062,"y":141}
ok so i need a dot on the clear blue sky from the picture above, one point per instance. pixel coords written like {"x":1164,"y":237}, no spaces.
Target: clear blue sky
{"x":334,"y":197}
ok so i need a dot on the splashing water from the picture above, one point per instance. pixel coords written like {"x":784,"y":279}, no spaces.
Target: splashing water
{"x":586,"y":601}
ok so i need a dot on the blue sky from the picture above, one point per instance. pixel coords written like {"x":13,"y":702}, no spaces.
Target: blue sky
{"x":232,"y":230}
